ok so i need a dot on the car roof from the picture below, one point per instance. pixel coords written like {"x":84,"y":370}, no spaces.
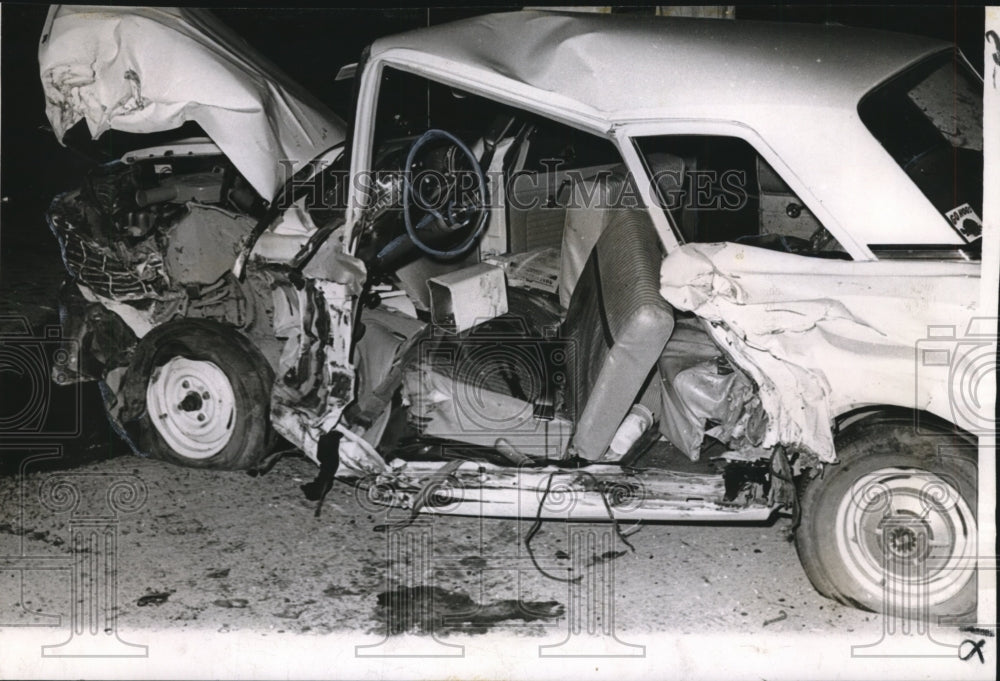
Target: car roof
{"x":642,"y":67}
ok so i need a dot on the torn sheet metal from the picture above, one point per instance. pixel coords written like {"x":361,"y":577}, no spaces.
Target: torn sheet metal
{"x":93,"y":337}
{"x":140,"y":320}
{"x":483,"y":489}
{"x":146,"y":69}
{"x":820,"y":337}
{"x":316,"y":378}
{"x":137,"y":273}
{"x":290,"y":232}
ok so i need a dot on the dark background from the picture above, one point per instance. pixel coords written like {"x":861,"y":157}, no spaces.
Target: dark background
{"x":311,"y":45}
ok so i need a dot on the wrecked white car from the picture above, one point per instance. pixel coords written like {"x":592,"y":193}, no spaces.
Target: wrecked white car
{"x":678,"y":269}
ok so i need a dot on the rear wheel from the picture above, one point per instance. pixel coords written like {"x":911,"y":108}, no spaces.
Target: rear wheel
{"x":892,"y":527}
{"x":207,"y":393}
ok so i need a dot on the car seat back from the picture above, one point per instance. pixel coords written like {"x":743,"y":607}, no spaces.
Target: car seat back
{"x":593,"y":204}
{"x":616,"y":327}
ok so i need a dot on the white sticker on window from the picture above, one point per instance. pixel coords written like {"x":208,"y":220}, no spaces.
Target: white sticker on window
{"x":965,"y":221}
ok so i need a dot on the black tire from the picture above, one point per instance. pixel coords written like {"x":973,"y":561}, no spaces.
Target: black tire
{"x":896,"y":517}
{"x":201,"y":358}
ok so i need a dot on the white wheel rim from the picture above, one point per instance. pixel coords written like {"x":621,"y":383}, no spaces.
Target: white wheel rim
{"x":192,"y":406}
{"x":907,"y":534}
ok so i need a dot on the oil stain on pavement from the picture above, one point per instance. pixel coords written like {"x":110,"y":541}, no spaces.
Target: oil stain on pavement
{"x":432,"y":609}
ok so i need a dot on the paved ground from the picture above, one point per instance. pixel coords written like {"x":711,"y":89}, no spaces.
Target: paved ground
{"x":227,"y":552}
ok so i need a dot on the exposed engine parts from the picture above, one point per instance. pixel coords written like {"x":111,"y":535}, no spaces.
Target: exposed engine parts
{"x":157,"y":239}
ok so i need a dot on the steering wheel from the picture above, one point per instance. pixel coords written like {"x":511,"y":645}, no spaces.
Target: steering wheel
{"x":451,"y":206}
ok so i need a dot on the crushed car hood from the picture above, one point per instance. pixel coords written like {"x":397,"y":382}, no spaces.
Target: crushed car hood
{"x":144,"y":70}
{"x":820,"y":337}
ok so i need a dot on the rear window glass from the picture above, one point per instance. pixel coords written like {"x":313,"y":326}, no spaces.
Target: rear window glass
{"x":930,"y":119}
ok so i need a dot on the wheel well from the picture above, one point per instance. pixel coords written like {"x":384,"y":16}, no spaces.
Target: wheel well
{"x":922,"y":420}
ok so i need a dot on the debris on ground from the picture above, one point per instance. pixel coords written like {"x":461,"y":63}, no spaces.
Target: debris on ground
{"x":231,"y":602}
{"x":782,"y":615}
{"x":154,"y":598}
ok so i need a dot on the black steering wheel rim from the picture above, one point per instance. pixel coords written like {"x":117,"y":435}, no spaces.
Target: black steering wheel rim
{"x":412,"y":231}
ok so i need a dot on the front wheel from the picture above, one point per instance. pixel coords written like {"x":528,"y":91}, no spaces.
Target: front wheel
{"x":207,"y":393}
{"x":892,"y":527}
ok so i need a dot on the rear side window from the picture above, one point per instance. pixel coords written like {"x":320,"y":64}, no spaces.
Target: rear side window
{"x":716,"y":188}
